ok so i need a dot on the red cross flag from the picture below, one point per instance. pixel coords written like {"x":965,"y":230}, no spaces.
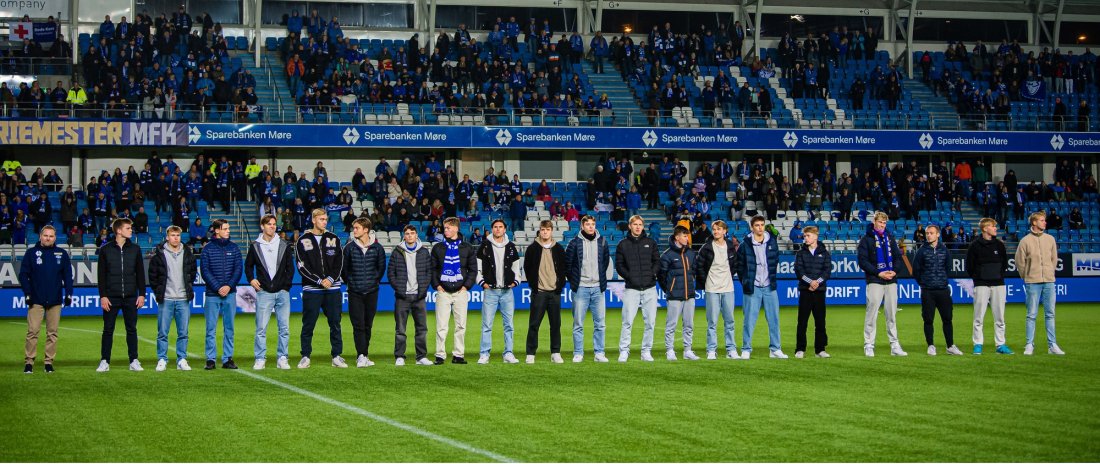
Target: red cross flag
{"x":21,"y":31}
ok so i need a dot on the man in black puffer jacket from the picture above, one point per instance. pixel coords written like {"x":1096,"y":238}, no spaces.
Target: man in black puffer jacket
{"x":364,"y":265}
{"x":410,"y":272}
{"x":677,"y":277}
{"x":121,"y":288}
{"x":986,"y":263}
{"x":455,"y":273}
{"x":931,"y":265}
{"x":636,"y":260}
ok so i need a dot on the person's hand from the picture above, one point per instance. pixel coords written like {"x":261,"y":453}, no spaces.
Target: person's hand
{"x":105,"y":303}
{"x":140,"y":301}
{"x":485,"y":286}
{"x":439,"y":289}
{"x":326,"y":283}
{"x":813,"y":286}
{"x":223,"y":291}
{"x":884,"y":275}
{"x":891,"y":274}
{"x":462,"y":289}
{"x":255,"y":284}
{"x":513,"y":285}
{"x":68,"y":301}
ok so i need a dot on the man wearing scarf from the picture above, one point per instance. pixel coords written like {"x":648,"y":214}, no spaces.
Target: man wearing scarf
{"x":455,"y":274}
{"x":879,"y":257}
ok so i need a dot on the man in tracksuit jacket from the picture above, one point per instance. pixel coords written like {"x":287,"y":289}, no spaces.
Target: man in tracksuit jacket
{"x":879,"y":257}
{"x":717,"y":264}
{"x":47,"y":280}
{"x":544,"y":266}
{"x":586,"y":261}
{"x":497,"y":254}
{"x":986,"y":264}
{"x":320,"y":263}
{"x":636,"y":260}
{"x":812,"y":267}
{"x":221,"y":270}
{"x":172,"y":271}
{"x":757,"y":263}
{"x":454,"y":273}
{"x":931,"y":264}
{"x":121,"y":288}
{"x":269,"y":268}
{"x":676,"y":274}
{"x":364,"y":266}
{"x":410,"y":271}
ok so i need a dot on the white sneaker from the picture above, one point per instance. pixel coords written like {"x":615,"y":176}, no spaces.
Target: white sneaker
{"x":339,"y":362}
{"x":182,"y":365}
{"x":578,"y":358}
{"x":162,"y":365}
{"x":869,"y":351}
{"x":690,"y":356}
{"x":399,"y":362}
{"x":483,"y":359}
{"x":282,"y":363}
{"x":360,"y":361}
{"x":897,"y":351}
{"x":823,"y":355}
{"x":733,"y":355}
{"x":530,"y":359}
{"x":931,"y":350}
{"x":954,"y":351}
{"x":601,"y":358}
{"x":304,"y":363}
{"x":647,"y":357}
{"x":259,"y":364}
{"x":777,"y":354}
{"x":556,"y":358}
{"x":135,"y":366}
{"x":712,"y":355}
{"x":510,"y":358}
{"x":670,"y":355}
{"x":1055,"y":349}
{"x":103,"y":366}
{"x":423,"y":362}
{"x":799,"y":354}
{"x":1029,"y":349}
{"x":624,"y":356}
{"x":745,"y":354}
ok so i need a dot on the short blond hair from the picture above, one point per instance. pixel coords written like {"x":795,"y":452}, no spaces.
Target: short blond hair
{"x":173,"y":230}
{"x":1035,"y":217}
{"x":451,"y":221}
{"x":985,"y":222}
{"x":319,"y":212}
{"x":546,"y":224}
{"x":719,"y":224}
{"x":809,"y":230}
{"x":881,"y":215}
{"x":637,"y":217}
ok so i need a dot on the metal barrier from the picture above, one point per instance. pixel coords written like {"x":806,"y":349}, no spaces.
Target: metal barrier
{"x":36,"y":66}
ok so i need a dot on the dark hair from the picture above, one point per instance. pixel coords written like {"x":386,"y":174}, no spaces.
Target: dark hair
{"x":409,"y":227}
{"x":501,"y":221}
{"x":680,"y":230}
{"x":218,"y":223}
{"x":267,"y":217}
{"x":118,"y":223}
{"x":756,"y":219}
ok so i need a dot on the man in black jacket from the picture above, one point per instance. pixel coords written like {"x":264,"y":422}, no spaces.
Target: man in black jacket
{"x":986,"y":264}
{"x":320,"y":263}
{"x":812,"y":267}
{"x":172,"y":273}
{"x":717,"y":264}
{"x":454,"y":274}
{"x":121,"y":288}
{"x":410,"y":272}
{"x":931,"y":265}
{"x":880,"y":258}
{"x":636,"y":260}
{"x":544,"y":266}
{"x":269,"y":268}
{"x":497,"y":254}
{"x":364,"y":265}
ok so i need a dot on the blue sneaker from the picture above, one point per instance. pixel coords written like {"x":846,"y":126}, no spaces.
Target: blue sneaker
{"x":1004,"y":349}
{"x":977,"y":349}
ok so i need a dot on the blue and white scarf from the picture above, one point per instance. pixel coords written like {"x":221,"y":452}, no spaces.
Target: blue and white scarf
{"x":883,"y":253}
{"x":452,"y":264}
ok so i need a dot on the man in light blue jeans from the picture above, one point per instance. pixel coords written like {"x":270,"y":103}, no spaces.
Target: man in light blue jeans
{"x":266,"y":303}
{"x":757,"y":263}
{"x":171,"y":274}
{"x":269,"y":268}
{"x":494,"y":299}
{"x":589,"y":299}
{"x":586,"y":261}
{"x":717,"y":263}
{"x":1036,"y":260}
{"x":221,"y":269}
{"x":497,"y":255}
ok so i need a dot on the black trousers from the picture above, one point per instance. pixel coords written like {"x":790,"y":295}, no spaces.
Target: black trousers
{"x":545,"y":304}
{"x":401,"y":310}
{"x":930,"y":301}
{"x":811,"y":303}
{"x":362,"y":308}
{"x":129,"y":317}
{"x":312,"y":305}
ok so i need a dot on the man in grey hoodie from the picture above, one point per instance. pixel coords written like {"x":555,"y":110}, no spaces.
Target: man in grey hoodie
{"x":496,"y":255}
{"x":410,"y":272}
{"x":269,"y":268}
{"x":586,"y":262}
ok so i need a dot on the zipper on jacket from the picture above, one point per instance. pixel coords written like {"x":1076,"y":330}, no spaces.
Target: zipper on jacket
{"x":684,"y":265}
{"x":122,"y":270}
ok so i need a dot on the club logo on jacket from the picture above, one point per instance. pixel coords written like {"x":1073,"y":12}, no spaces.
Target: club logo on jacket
{"x":331,"y":243}
{"x":307,"y":244}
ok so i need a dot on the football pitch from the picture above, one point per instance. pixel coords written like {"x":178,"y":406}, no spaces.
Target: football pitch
{"x":848,"y":408}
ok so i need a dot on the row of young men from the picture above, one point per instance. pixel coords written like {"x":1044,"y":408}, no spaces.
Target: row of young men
{"x":451,"y":267}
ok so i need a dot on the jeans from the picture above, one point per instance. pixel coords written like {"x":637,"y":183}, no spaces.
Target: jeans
{"x":770,"y":300}
{"x":646,"y":300}
{"x":494,"y":299}
{"x":278,"y":302}
{"x":180,"y":312}
{"x":588,"y":299}
{"x":313,"y":303}
{"x":1033,"y":295}
{"x":720,"y":303}
{"x":226,"y":307}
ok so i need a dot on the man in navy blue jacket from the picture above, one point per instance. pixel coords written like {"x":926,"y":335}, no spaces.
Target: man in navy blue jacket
{"x":879,"y":257}
{"x":221,"y":270}
{"x":931,"y":265}
{"x":757,"y":263}
{"x":47,"y":280}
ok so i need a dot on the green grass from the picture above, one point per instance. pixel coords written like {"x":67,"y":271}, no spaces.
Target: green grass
{"x":848,"y":408}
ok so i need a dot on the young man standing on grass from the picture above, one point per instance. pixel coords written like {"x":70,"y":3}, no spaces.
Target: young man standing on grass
{"x":544,"y":266}
{"x":364,"y":266}
{"x":812,"y":266}
{"x":878,"y":255}
{"x":986,"y":264}
{"x":757,"y":265}
{"x":931,"y":264}
{"x":497,"y":254}
{"x":1036,"y":259}
{"x":637,"y":261}
{"x":455,"y":273}
{"x":171,"y":276}
{"x":269,"y":268}
{"x":47,"y":280}
{"x":121,"y":289}
{"x":320,"y":263}
{"x":676,"y":274}
{"x":221,"y":270}
{"x":717,"y":263}
{"x":410,"y":273}
{"x":586,"y":263}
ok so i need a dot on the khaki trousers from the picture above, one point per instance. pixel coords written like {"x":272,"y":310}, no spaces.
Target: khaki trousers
{"x":35,"y":315}
{"x":445,"y":305}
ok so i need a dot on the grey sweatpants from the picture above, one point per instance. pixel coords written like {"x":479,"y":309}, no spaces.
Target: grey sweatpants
{"x":885,"y":296}
{"x":676,"y":310}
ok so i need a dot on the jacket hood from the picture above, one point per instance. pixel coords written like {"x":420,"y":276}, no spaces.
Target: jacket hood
{"x":672,"y":245}
{"x":275,"y":241}
{"x":494,"y":243}
{"x":371,"y":240}
{"x":404,"y":247}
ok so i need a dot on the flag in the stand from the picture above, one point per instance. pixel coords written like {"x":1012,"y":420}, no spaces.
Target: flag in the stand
{"x":1034,"y":90}
{"x":38,"y":32}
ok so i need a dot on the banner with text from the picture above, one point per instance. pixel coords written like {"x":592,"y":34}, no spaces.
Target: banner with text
{"x":92,"y":133}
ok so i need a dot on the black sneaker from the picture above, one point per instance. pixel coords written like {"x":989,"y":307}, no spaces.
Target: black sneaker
{"x":49,"y":368}
{"x":458,"y":360}
{"x":210,"y":365}
{"x":439,"y":361}
{"x":28,"y":368}
{"x":229,"y":364}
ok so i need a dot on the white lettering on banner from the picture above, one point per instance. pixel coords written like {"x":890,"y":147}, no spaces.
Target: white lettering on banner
{"x":257,"y":135}
{"x":829,"y":139}
{"x":153,"y":133}
{"x":525,"y":296}
{"x":840,"y":291}
{"x":992,"y":141}
{"x":1082,"y":142}
{"x":435,"y":136}
{"x":34,"y":8}
{"x":702,"y":138}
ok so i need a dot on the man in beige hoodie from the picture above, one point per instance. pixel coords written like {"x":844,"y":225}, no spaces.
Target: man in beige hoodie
{"x":1036,"y":259}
